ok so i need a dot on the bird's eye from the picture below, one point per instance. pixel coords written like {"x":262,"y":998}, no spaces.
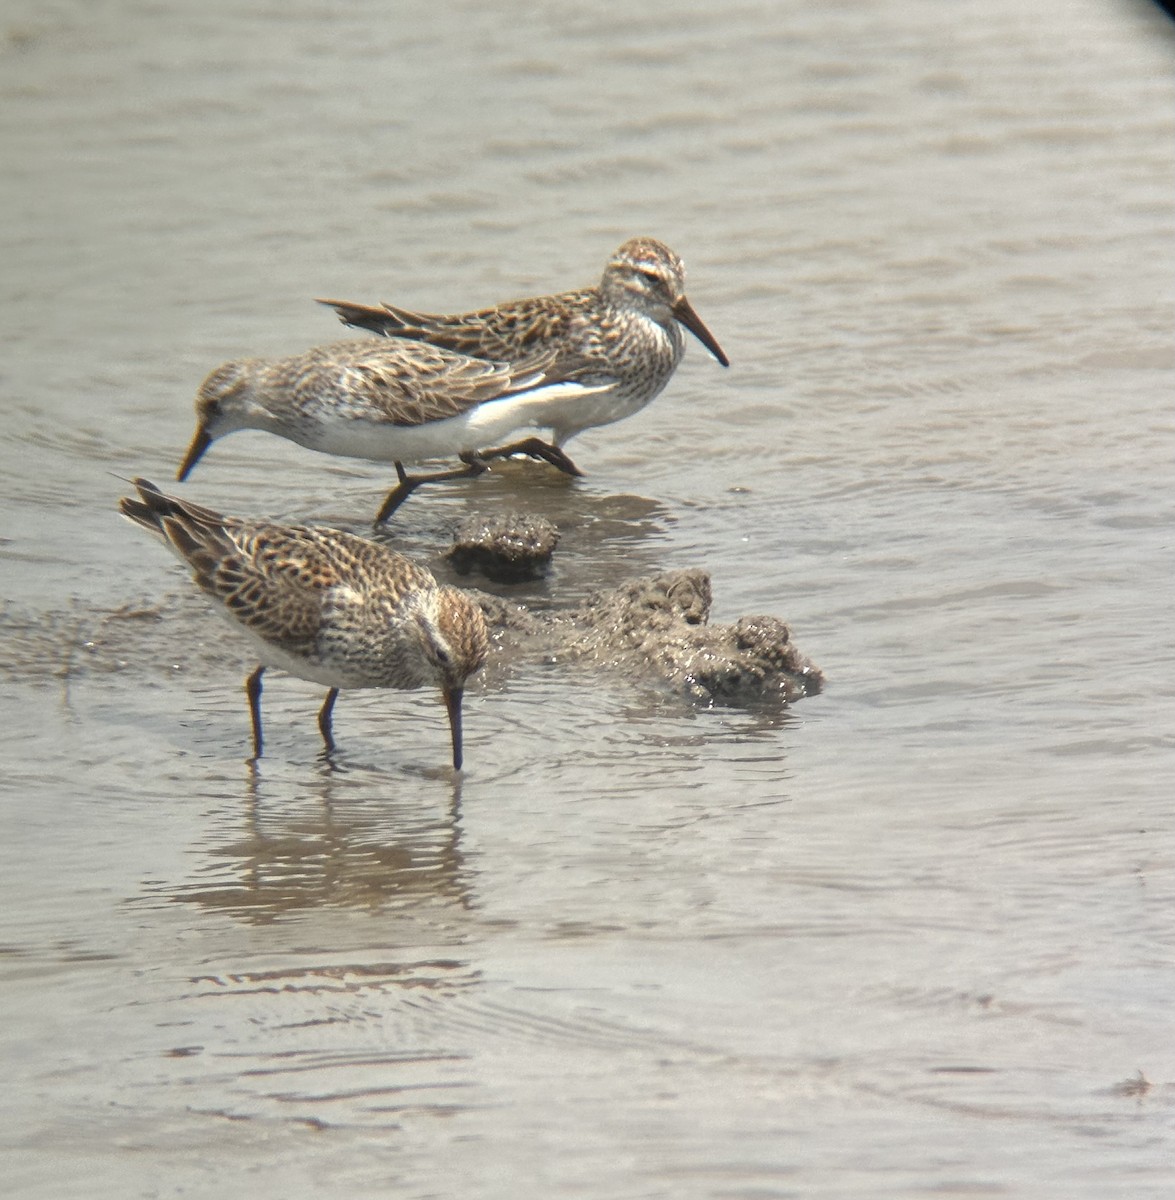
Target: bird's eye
{"x":442,"y":656}
{"x":651,"y":276}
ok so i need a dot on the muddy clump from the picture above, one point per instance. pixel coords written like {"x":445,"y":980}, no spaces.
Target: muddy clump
{"x":657,"y":628}
{"x":508,"y":549}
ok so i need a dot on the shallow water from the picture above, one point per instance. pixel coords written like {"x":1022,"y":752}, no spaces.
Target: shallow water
{"x":912,"y":936}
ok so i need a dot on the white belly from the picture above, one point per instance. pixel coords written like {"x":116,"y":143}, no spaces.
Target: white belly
{"x":481,"y":428}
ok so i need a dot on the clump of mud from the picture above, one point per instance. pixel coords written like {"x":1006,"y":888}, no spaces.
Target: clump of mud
{"x":657,"y":628}
{"x":508,"y":549}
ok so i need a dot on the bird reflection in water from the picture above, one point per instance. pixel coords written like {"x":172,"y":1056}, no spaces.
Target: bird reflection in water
{"x":342,"y":843}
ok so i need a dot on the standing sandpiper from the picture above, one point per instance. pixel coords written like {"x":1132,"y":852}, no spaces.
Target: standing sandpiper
{"x":623,"y":336}
{"x":324,"y":605}
{"x":389,"y":401}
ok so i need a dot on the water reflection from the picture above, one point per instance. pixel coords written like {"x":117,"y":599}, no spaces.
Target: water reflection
{"x":335,"y":840}
{"x":757,"y":719}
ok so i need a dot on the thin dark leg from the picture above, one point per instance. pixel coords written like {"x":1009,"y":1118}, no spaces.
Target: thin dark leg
{"x":535,"y":447}
{"x":253,"y":691}
{"x":409,"y":483}
{"x":324,"y":715}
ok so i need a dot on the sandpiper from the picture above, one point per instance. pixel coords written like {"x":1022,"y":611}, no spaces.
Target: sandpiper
{"x":324,"y":605}
{"x":389,"y":400}
{"x":623,"y":336}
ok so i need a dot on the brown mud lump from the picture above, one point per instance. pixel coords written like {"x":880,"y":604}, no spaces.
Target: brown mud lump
{"x":657,"y":628}
{"x":508,"y":549}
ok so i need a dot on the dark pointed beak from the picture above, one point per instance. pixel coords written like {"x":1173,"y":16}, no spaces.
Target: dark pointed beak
{"x":683,"y":310}
{"x":453,"y":704}
{"x":200,"y":443}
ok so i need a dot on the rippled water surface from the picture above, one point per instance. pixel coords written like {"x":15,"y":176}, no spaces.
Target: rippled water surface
{"x":911,"y":937}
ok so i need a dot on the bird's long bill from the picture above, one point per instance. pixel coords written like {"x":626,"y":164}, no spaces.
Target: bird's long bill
{"x":453,"y":704}
{"x":683,"y":310}
{"x":200,"y":443}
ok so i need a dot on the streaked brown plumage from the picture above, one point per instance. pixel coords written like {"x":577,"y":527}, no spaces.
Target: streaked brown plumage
{"x":323,"y":604}
{"x":388,"y":401}
{"x":624,"y":334}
